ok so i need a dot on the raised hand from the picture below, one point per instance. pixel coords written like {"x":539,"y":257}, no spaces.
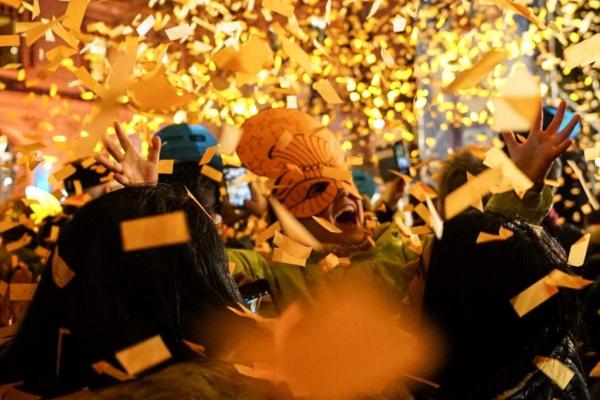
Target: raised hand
{"x":130,"y":167}
{"x":535,"y":155}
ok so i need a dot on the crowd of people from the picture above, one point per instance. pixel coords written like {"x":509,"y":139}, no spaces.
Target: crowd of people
{"x":496,"y":299}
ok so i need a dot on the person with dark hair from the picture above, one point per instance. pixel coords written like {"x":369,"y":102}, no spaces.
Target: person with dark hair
{"x":490,"y":349}
{"x":117,"y":299}
{"x":455,"y":170}
{"x":185,"y":144}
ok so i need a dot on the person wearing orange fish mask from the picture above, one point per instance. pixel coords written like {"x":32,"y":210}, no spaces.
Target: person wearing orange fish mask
{"x":311,"y":180}
{"x":310,"y":176}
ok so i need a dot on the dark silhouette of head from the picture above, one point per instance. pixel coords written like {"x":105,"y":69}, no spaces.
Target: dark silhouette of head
{"x":116,"y":298}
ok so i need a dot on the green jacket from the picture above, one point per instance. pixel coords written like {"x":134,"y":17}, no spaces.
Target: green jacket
{"x":383,"y":264}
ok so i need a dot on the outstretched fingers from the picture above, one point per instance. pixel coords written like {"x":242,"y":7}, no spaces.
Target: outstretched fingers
{"x":109,"y":164}
{"x":558,"y":118}
{"x":113,"y":149}
{"x":561,"y":148}
{"x":154,"y":151}
{"x":123,"y":139}
{"x":565,"y":133}
{"x":511,"y":141}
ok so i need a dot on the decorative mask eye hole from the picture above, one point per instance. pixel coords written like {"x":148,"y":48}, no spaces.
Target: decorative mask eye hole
{"x":316,"y":189}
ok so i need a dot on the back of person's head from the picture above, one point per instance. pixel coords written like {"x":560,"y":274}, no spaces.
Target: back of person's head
{"x":468,"y":292}
{"x":116,"y":298}
{"x":186,"y":144}
{"x":454,"y":172}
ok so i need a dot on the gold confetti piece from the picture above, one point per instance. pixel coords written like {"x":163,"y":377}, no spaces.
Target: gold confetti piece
{"x":284,"y":140}
{"x":53,"y":235}
{"x":356,"y":161}
{"x":146,"y":25}
{"x":584,"y":185}
{"x":281,"y":7}
{"x":65,"y":35}
{"x":471,"y":192}
{"x":503,"y":234}
{"x":10,"y":40}
{"x":519,"y":103}
{"x":328,"y":226}
{"x":61,"y":273}
{"x":231,"y":268}
{"x":74,"y":14}
{"x":42,"y":252}
{"x":327,"y":92}
{"x":559,"y":278}
{"x":8,"y":225}
{"x":268,"y":233}
{"x":583,"y":53}
{"x":28,"y":148}
{"x":88,"y":81}
{"x":472,"y":76}
{"x":179,"y":32}
{"x":18,"y":244}
{"x":144,"y":355}
{"x":155,"y":231}
{"x":165,"y":167}
{"x":533,"y":296}
{"x":211,"y":173}
{"x":103,"y":367}
{"x":398,"y":24}
{"x":419,"y":230}
{"x":229,"y":139}
{"x":436,"y":221}
{"x":292,"y":227}
{"x":3,"y":291}
{"x":591,"y":153}
{"x":422,"y":191}
{"x":280,"y":256}
{"x":512,"y":177}
{"x":552,"y":183}
{"x":555,"y":370}
{"x":374,"y":8}
{"x":579,"y":250}
{"x":64,"y":172}
{"x":208,"y":155}
{"x":12,"y":3}
{"x":595,"y":372}
{"x":297,"y":54}
{"x":144,"y":92}
{"x":329,"y":262}
{"x":387,"y":58}
{"x":338,"y":173}
{"x":22,"y":291}
{"x":291,"y":247}
{"x":197,"y":348}
{"x":78,"y":187}
{"x":35,"y":33}
{"x":423,"y":212}
{"x":292,"y":102}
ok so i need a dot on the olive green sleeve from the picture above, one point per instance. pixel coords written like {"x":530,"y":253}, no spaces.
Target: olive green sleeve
{"x":533,"y":207}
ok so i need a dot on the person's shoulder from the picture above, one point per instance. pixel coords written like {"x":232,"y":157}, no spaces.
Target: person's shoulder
{"x":189,"y":381}
{"x":251,"y":256}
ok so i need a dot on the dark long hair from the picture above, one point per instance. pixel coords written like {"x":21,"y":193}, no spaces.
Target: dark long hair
{"x":117,"y":298}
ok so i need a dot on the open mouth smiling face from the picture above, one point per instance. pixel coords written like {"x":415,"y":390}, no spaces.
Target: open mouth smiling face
{"x":346,"y":213}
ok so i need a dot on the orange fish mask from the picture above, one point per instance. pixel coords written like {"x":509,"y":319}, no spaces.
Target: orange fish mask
{"x":303,"y":157}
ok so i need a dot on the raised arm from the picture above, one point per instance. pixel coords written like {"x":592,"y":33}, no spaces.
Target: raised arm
{"x":535,"y":155}
{"x":129,"y":167}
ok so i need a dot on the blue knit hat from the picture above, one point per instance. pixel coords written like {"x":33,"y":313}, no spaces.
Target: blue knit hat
{"x":364,"y":182}
{"x":187,"y":143}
